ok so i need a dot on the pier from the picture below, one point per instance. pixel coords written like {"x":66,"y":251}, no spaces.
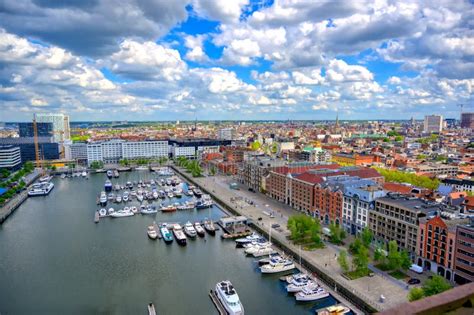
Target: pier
{"x":217,"y":303}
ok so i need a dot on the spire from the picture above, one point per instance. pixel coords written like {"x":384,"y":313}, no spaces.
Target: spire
{"x":337,"y":120}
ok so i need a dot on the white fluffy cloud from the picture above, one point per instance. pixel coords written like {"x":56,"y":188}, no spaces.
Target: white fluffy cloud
{"x":225,"y":11}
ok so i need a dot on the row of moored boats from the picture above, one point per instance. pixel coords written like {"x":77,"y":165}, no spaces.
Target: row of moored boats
{"x":181,"y":233}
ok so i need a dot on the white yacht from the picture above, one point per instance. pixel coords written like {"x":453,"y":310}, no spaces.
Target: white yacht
{"x":148,"y":210}
{"x":152,"y":233}
{"x":298,"y":285}
{"x":118,"y":198}
{"x":248,"y":239}
{"x":189,"y":229}
{"x":199,"y":229}
{"x":179,"y":235}
{"x":229,"y":298}
{"x":103,"y":198}
{"x":297,"y":277}
{"x":41,"y":189}
{"x":263,"y":251}
{"x":311,"y":293}
{"x":140,"y":197}
{"x":125,"y":197}
{"x":253,"y":247}
{"x":278,"y":265}
{"x":84,"y":174}
{"x":102,"y":212}
{"x":122,"y":213}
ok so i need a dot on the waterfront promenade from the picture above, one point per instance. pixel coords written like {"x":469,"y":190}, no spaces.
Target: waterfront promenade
{"x":368,"y":288}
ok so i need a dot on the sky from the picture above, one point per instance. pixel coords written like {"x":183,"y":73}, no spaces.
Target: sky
{"x":236,"y":59}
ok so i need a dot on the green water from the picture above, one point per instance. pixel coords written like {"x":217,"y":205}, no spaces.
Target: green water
{"x":55,"y":260}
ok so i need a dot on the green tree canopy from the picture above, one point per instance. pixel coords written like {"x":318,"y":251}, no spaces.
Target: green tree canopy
{"x":415,"y":294}
{"x":342,"y":260}
{"x":435,"y":285}
{"x":337,"y":234}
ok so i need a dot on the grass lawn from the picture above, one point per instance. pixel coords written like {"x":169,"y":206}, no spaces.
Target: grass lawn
{"x":382,"y":267}
{"x":355,"y":274}
{"x":397,"y":274}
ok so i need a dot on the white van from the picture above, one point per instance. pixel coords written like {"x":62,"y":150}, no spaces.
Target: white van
{"x":416,"y":268}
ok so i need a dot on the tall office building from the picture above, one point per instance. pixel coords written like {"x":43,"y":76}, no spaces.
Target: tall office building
{"x":467,"y":120}
{"x":433,"y":123}
{"x":225,"y":134}
{"x":27,"y":130}
{"x":61,"y":131}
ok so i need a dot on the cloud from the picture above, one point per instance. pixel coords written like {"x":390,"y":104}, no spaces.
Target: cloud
{"x":194,"y":44}
{"x":225,"y":11}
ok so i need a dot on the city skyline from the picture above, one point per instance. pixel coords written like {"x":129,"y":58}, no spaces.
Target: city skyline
{"x":237,"y":60}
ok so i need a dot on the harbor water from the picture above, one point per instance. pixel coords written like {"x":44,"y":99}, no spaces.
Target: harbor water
{"x":55,"y":260}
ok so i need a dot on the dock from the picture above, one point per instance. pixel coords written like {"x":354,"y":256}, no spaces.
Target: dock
{"x":151,"y":309}
{"x":96,"y":217}
{"x":217,"y":303}
{"x":236,"y":235}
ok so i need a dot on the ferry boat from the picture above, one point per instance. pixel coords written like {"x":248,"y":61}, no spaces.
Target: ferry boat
{"x":152,"y":232}
{"x":179,"y":234}
{"x":334,"y":310}
{"x":199,"y":229}
{"x":121,"y":213}
{"x":209,"y":227}
{"x":166,"y":234}
{"x":103,"y":199}
{"x":189,"y":229}
{"x":41,"y":189}
{"x":311,"y":293}
{"x":278,"y":265}
{"x":108,"y":185}
{"x":110,"y":174}
{"x":229,"y":298}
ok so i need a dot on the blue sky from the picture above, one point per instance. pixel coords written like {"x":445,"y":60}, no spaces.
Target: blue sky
{"x":239,"y":59}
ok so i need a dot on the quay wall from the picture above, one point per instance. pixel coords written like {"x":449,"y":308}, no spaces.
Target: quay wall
{"x":327,"y":279}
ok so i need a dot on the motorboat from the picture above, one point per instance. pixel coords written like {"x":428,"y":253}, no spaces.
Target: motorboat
{"x":117,"y":187}
{"x":134,"y":209}
{"x":148,"y":210}
{"x":142,"y":168}
{"x":199,"y":229}
{"x":118,"y":199}
{"x":178,"y":192}
{"x":41,"y":189}
{"x":45,"y":179}
{"x":297,"y":277}
{"x":189,"y":229}
{"x":108,"y":185}
{"x":209,"y":227}
{"x":140,"y":197}
{"x":263,"y":251}
{"x":188,"y":205}
{"x":111,"y":197}
{"x":268,"y":259}
{"x":168,"y":208}
{"x":229,"y":298}
{"x":110,"y":211}
{"x":248,"y":239}
{"x":63,"y":176}
{"x":151,"y":231}
{"x":197,"y":193}
{"x":334,"y":310}
{"x":170,"y":195}
{"x":125,"y":197}
{"x":251,"y":247}
{"x":122,"y":213}
{"x":166,"y":234}
{"x":311,"y":293}
{"x":203,"y":204}
{"x":278,"y":264}
{"x":102,"y":212}
{"x":189,"y":192}
{"x":84,"y":174}
{"x":129,"y":185}
{"x":110,"y":174}
{"x":116,"y":174}
{"x":155,"y":195}
{"x":298,"y":285}
{"x":103,"y":199}
{"x":179,"y":234}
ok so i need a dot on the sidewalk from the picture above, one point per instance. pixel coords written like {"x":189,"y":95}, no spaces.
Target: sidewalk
{"x":370,"y":288}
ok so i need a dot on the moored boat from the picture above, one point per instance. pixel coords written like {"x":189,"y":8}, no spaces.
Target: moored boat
{"x":278,"y":265}
{"x":179,"y":234}
{"x":108,"y":185}
{"x":209,"y":227}
{"x":334,"y":310}
{"x":199,"y":229}
{"x":122,"y":213}
{"x":311,"y":293}
{"x":229,"y":298}
{"x":152,"y":233}
{"x":189,"y":229}
{"x":40,"y":189}
{"x":166,"y":234}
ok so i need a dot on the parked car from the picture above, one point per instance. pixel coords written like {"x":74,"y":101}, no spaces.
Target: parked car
{"x":413,"y":281}
{"x":416,"y":268}
{"x":275,"y":225}
{"x":259,"y":219}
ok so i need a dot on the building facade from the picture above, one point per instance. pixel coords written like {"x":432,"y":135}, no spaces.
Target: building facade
{"x":44,"y":129}
{"x":225,"y":134}
{"x":467,"y":120}
{"x":145,"y":149}
{"x":48,"y":150}
{"x":10,"y":157}
{"x":76,"y":151}
{"x":60,"y":123}
{"x":464,"y":256}
{"x":433,"y":124}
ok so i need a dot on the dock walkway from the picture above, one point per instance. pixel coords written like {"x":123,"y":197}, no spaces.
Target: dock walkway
{"x":217,"y":303}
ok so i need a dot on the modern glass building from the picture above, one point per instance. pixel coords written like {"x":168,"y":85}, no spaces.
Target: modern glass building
{"x":47,"y":150}
{"x":60,"y":125}
{"x":27,"y":129}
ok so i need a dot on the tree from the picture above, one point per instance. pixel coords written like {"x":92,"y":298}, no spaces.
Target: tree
{"x":393,"y":257}
{"x":213,"y":171}
{"x":342,"y":260}
{"x":379,"y":254}
{"x":405,"y":261}
{"x":415,"y":294}
{"x":435,"y":285}
{"x":96,"y":165}
{"x":366,"y":237}
{"x":305,"y":230}
{"x":355,"y":246}
{"x":361,"y":260}
{"x":337,"y":234}
{"x":256,"y":145}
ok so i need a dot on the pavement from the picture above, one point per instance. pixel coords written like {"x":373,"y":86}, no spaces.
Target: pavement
{"x":369,"y":288}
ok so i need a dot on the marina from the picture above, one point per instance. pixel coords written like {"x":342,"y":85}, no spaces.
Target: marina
{"x":145,"y":264}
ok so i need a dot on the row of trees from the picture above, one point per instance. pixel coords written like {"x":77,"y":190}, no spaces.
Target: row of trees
{"x":432,"y":286}
{"x":143,"y":161}
{"x":404,"y":177}
{"x":192,"y":166}
{"x":305,"y":230}
{"x":15,"y":182}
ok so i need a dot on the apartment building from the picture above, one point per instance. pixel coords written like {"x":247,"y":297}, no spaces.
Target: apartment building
{"x":437,"y":169}
{"x":464,"y":255}
{"x":460,"y":184}
{"x":436,"y":244}
{"x":354,"y":159}
{"x":433,"y":124}
{"x":76,"y":151}
{"x":397,"y":217}
{"x":255,"y":171}
{"x":144,"y":149}
{"x":10,"y":157}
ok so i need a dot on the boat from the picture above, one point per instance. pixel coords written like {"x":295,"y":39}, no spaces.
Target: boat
{"x":129,"y":185}
{"x":103,"y":199}
{"x":297,"y":286}
{"x":110,"y":211}
{"x":229,"y":298}
{"x":263,"y":251}
{"x":166,"y":234}
{"x":209,"y":227}
{"x":108,"y":185}
{"x":248,"y":239}
{"x":179,"y":234}
{"x":117,"y":187}
{"x":311,"y":293}
{"x":189,"y":192}
{"x":155,"y":195}
{"x":203,"y":204}
{"x":122,"y":213}
{"x":267,"y":260}
{"x":111,"y":197}
{"x":188,"y":205}
{"x":197,"y":193}
{"x":278,"y":265}
{"x":199,"y":229}
{"x":255,"y":246}
{"x":45,"y":179}
{"x":334,"y":310}
{"x":140,"y":197}
{"x":168,"y":208}
{"x":134,"y":209}
{"x":151,"y":231}
{"x":84,"y":174}
{"x":116,"y":174}
{"x":102,"y":212}
{"x":63,"y":176}
{"x":170,"y":195}
{"x":148,"y":210}
{"x":189,"y":229}
{"x":125,"y":197}
{"x":118,"y":199}
{"x":142,"y":168}
{"x":297,"y":277}
{"x":41,"y":189}
{"x":110,"y":174}
{"x":178,"y":192}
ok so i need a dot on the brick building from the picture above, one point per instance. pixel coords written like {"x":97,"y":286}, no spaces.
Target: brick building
{"x":464,"y":255}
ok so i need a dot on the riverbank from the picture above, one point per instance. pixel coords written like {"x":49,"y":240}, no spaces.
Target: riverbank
{"x":340,"y":292}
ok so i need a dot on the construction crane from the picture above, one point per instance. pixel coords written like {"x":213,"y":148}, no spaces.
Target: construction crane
{"x":35,"y":138}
